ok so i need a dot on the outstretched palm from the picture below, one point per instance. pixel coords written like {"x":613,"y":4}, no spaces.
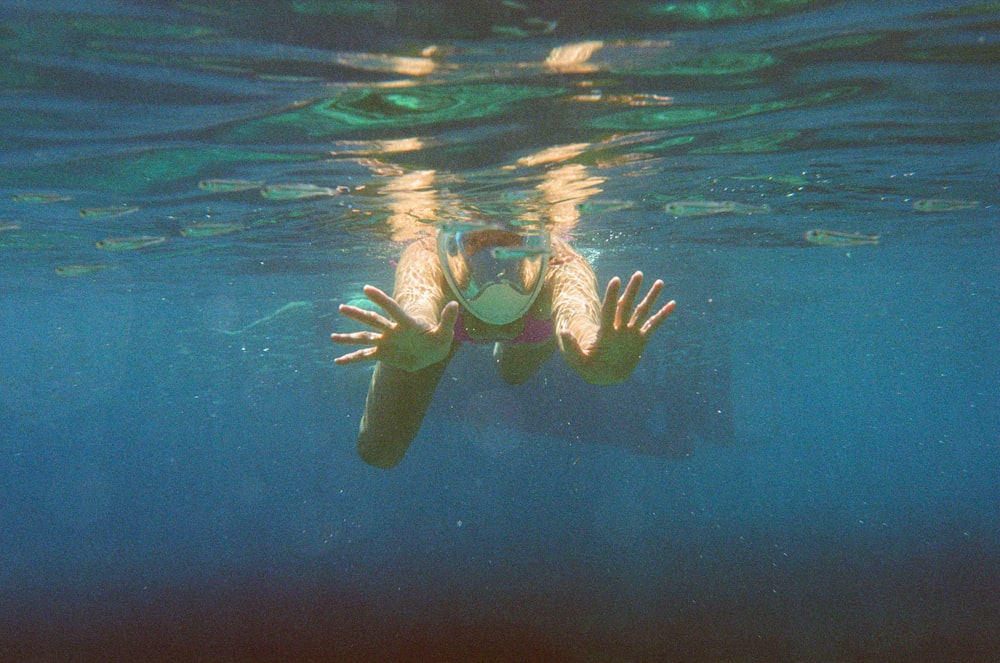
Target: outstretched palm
{"x":399,"y":340}
{"x":622,"y":335}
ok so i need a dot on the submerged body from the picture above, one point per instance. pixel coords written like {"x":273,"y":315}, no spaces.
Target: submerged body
{"x":602,"y":342}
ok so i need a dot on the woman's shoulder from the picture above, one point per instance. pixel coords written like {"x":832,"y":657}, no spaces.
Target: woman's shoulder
{"x":420,"y":251}
{"x":562,"y":252}
{"x":422,"y":245}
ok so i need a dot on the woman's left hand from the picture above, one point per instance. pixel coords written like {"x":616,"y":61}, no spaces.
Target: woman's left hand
{"x":397,"y":338}
{"x":622,"y":335}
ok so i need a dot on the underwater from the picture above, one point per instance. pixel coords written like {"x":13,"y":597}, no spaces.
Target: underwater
{"x":804,"y":465}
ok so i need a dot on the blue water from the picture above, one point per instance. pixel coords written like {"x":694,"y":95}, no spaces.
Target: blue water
{"x":804,"y":467}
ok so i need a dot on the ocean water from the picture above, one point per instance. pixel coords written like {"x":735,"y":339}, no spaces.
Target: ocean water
{"x":804,"y":467}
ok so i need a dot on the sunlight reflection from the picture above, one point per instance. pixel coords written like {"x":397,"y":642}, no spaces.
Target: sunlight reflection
{"x":392,"y":64}
{"x":563,"y":189}
{"x":413,"y":204}
{"x":554,"y":154}
{"x":415,"y":200}
{"x":572,"y":58}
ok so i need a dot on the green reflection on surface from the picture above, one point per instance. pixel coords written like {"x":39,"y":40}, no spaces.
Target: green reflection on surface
{"x":138,"y":172}
{"x":201,"y":230}
{"x":372,"y":108}
{"x":675,"y":141}
{"x":649,"y":119}
{"x":724,"y":10}
{"x":713,"y":64}
{"x":976,"y":9}
{"x":80,"y":270}
{"x":346,"y":8}
{"x":129,"y":28}
{"x":168,"y":165}
{"x":767,"y":143}
{"x":960,"y":54}
{"x":840,"y":42}
{"x":782,"y":180}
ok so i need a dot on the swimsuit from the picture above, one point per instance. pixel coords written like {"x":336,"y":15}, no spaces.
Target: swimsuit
{"x":535,"y":331}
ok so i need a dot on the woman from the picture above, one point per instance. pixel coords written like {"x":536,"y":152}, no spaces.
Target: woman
{"x":512,"y":285}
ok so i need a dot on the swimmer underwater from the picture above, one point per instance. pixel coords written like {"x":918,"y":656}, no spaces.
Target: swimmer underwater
{"x":516,"y":286}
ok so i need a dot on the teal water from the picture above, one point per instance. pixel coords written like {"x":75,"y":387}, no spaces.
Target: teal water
{"x":804,"y":466}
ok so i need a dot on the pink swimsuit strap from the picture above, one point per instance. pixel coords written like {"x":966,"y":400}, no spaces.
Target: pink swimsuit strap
{"x":535,"y":331}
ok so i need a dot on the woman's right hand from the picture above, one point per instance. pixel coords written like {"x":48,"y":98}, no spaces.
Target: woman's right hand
{"x":399,"y":340}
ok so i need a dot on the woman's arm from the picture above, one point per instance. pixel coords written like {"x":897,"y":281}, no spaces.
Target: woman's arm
{"x":412,"y":348}
{"x":572,"y":283}
{"x":420,"y":287}
{"x":418,"y":327}
{"x":602,"y":341}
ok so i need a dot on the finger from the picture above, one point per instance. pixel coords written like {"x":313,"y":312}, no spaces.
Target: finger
{"x":657,"y":319}
{"x":366,"y":354}
{"x":365,"y":317}
{"x":646,"y":305}
{"x":449,"y":316}
{"x":628,"y":300}
{"x":356,"y":338}
{"x":386,"y":303}
{"x":570,"y":349}
{"x":610,"y":304}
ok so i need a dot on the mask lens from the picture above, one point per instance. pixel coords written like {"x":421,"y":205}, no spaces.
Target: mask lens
{"x":476,"y":260}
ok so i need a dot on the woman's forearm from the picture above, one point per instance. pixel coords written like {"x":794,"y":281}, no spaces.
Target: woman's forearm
{"x":576,"y":307}
{"x":420,"y":284}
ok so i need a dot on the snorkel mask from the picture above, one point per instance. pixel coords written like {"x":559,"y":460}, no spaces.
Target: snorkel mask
{"x":495,"y":271}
